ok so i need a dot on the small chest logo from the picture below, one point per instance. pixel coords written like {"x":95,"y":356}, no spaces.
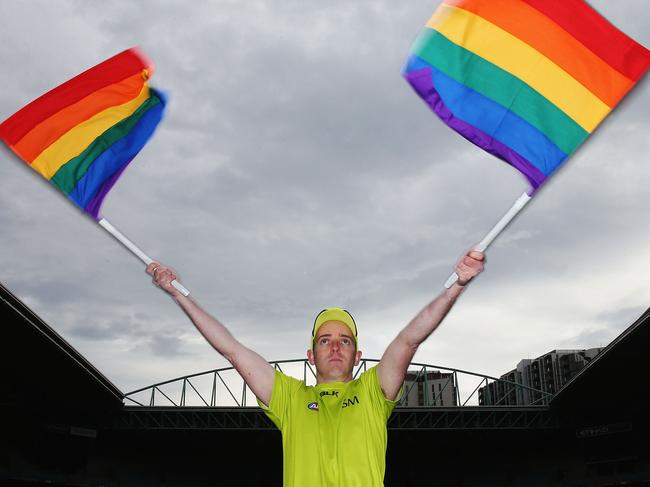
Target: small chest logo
{"x":313,"y":406}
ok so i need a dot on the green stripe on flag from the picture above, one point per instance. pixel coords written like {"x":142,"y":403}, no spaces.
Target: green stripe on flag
{"x":500,"y":86}
{"x":72,"y":171}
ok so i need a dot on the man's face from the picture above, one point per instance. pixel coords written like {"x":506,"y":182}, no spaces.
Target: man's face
{"x":334,"y":353}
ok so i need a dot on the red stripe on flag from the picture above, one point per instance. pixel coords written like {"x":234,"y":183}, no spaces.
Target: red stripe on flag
{"x":117,"y":68}
{"x":594,"y":31}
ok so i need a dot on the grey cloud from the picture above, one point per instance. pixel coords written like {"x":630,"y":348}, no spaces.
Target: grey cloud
{"x":111,"y":323}
{"x":607,"y":325}
{"x":295,"y":170}
{"x":167,"y":346}
{"x":622,"y":317}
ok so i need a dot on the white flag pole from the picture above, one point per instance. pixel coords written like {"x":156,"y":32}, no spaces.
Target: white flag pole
{"x":136,"y":250}
{"x":496,"y":230}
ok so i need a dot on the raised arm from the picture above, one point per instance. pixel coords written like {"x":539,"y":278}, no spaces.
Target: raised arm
{"x":397,"y":357}
{"x":253,"y":368}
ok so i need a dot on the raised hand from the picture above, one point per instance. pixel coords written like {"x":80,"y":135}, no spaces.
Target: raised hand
{"x":163,"y":277}
{"x":469,"y":266}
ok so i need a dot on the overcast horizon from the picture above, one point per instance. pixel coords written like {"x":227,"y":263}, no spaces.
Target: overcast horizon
{"x":295,"y":170}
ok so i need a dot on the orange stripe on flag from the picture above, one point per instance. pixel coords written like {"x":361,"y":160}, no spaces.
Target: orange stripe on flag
{"x":41,"y":136}
{"x":544,"y":35}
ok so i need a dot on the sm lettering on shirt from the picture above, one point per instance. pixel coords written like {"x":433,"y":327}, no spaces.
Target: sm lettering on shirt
{"x":350,"y":402}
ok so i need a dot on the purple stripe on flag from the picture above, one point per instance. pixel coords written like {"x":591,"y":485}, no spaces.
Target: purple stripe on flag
{"x":422,"y":82}
{"x":94,"y":205}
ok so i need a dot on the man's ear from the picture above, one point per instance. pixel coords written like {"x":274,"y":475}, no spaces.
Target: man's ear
{"x":357,"y":359}
{"x":310,"y":356}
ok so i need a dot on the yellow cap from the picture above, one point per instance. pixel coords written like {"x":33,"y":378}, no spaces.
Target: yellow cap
{"x":334,"y":314}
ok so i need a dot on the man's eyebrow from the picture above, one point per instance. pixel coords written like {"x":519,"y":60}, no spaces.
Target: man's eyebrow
{"x":329,"y":335}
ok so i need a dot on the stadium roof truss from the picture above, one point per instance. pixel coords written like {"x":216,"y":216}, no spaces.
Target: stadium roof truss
{"x":220,"y":399}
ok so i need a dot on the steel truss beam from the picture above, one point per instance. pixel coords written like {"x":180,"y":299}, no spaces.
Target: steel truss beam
{"x":472,"y":417}
{"x":252,"y":418}
{"x":175,"y":418}
{"x":223,"y":388}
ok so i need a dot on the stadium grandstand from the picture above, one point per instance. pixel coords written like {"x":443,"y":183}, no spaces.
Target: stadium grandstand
{"x":66,"y":424}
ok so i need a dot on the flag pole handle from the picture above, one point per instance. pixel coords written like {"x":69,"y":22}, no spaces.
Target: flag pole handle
{"x":495,"y":231}
{"x":106,"y":225}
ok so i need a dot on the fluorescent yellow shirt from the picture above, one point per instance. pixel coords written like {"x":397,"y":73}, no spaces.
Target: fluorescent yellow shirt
{"x":333,"y":435}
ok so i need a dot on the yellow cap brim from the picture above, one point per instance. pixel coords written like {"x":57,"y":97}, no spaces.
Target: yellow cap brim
{"x":334,"y":314}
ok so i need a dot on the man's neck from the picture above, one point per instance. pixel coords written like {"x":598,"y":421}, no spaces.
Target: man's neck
{"x":329,"y":380}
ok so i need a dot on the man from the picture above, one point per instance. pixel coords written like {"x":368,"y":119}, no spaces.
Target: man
{"x":334,"y":433}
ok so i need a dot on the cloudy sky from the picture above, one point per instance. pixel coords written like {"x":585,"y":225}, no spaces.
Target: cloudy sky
{"x":296,"y":170}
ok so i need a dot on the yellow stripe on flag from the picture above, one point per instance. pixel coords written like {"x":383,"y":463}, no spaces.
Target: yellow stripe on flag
{"x":74,"y":142}
{"x":501,"y":48}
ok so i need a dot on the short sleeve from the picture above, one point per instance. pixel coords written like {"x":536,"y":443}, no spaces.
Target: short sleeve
{"x":370,"y":381}
{"x":283,"y":389}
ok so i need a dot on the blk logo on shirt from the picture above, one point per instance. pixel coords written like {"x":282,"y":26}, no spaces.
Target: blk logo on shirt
{"x":329,"y":393}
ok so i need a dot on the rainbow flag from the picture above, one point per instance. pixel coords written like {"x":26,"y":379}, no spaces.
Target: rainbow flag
{"x":81,"y":135}
{"x":526,"y":80}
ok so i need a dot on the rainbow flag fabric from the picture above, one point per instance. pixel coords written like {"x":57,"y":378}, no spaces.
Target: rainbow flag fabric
{"x":526,"y":80}
{"x":82,"y":134}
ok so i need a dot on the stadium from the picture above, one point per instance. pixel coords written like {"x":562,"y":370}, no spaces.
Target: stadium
{"x":66,"y":424}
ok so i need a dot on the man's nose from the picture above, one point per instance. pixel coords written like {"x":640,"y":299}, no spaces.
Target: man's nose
{"x":336,"y":345}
